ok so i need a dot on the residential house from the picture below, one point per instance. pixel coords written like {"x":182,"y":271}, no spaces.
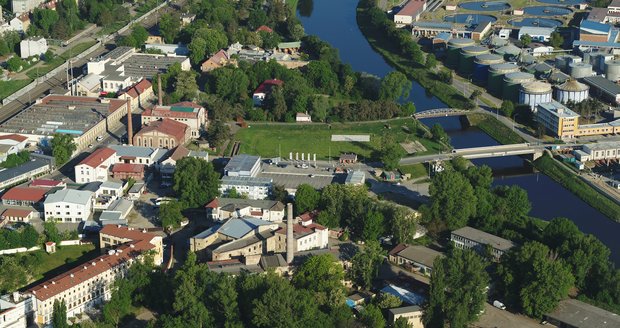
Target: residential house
{"x":418,"y":258}
{"x":25,"y":6}
{"x":166,"y":133}
{"x":220,"y":59}
{"x":188,"y":113}
{"x":470,"y":238}
{"x":138,"y":155}
{"x":264,"y":28}
{"x":251,"y":187}
{"x":34,"y":46}
{"x":307,"y":237}
{"x":95,"y":166}
{"x":220,"y":209}
{"x":105,"y":193}
{"x":409,"y":13}
{"x":412,"y":313}
{"x":348,"y":159}
{"x":187,"y":18}
{"x":117,"y":212}
{"x":20,"y":23}
{"x":243,"y":165}
{"x":112,"y":236}
{"x":24,"y":196}
{"x":124,"y":171}
{"x":16,"y":310}
{"x":265,"y":88}
{"x":68,"y":205}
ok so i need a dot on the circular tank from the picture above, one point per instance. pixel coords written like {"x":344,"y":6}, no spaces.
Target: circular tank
{"x":508,"y":50}
{"x":612,"y":70}
{"x":547,"y":11}
{"x":571,"y":90}
{"x":466,"y":60}
{"x":454,"y":50}
{"x":469,"y":18}
{"x":580,"y":70}
{"x":561,"y":62}
{"x":512,"y":84}
{"x":481,"y":66}
{"x":534,"y":93}
{"x":496,"y":76}
{"x":535,"y":21}
{"x":485,"y":5}
{"x":562,"y":2}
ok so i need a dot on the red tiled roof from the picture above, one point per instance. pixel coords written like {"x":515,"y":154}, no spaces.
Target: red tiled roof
{"x":137,"y":89}
{"x":264,"y":28}
{"x":126,"y":233}
{"x":89,"y":270}
{"x":25,"y":194}
{"x":168,"y":127}
{"x":213,"y":204}
{"x":50,"y":243}
{"x":13,"y":136}
{"x":299,"y":229}
{"x":267,"y":85}
{"x":218,"y":58}
{"x":413,"y":7}
{"x":127,"y":167}
{"x":397,"y":249}
{"x":98,"y":157}
{"x":256,"y":213}
{"x":16,"y":213}
{"x":46,"y":183}
{"x":309,"y":216}
{"x":164,"y":111}
{"x":316,"y":226}
{"x":179,"y":153}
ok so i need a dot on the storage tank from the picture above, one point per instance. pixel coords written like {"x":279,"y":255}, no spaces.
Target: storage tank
{"x":561,"y":63}
{"x":481,"y":66}
{"x":579,"y":70}
{"x":454,"y":50}
{"x":496,"y":76}
{"x":558,"y":77}
{"x":612,"y":70}
{"x":507,"y":51}
{"x":571,"y":90}
{"x":466,"y":61}
{"x":534,"y":93}
{"x":512,"y":84}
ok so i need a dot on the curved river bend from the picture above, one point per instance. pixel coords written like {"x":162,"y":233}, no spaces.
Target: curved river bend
{"x":334,"y":21}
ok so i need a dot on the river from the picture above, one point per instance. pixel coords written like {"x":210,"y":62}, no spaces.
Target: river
{"x":334,"y":21}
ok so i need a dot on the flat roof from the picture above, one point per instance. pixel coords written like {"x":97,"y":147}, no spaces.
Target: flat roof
{"x":237,"y":203}
{"x":405,"y":309}
{"x":535,"y":30}
{"x":603,"y":84}
{"x":603,"y":145}
{"x":247,"y":181}
{"x":557,"y":109}
{"x":579,"y":314}
{"x":413,"y":7}
{"x":242,"y":162}
{"x":484,"y":238}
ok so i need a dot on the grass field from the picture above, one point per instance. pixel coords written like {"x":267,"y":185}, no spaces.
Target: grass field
{"x":494,"y":128}
{"x":7,"y":88}
{"x":63,"y":255}
{"x":416,"y":170}
{"x":265,"y":139}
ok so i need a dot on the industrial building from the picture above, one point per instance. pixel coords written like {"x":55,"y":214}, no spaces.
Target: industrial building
{"x":470,"y":238}
{"x":571,"y":90}
{"x":534,"y":93}
{"x":598,"y":151}
{"x":188,"y":113}
{"x":540,"y":34}
{"x":243,"y":165}
{"x":220,"y":209}
{"x":558,"y":119}
{"x":512,"y":84}
{"x":251,"y":187}
{"x":575,"y":313}
{"x":603,"y":88}
{"x":409,"y":13}
{"x":83,"y":118}
{"x":37,"y":166}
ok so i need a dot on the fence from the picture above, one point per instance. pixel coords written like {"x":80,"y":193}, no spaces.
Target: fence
{"x":19,"y":250}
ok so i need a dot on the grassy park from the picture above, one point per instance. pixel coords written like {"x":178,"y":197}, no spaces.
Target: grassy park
{"x":56,"y":263}
{"x":267,"y":139}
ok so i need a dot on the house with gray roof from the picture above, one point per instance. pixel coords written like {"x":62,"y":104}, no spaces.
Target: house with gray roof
{"x":69,"y":205}
{"x":574,"y":313}
{"x":470,"y":238}
{"x":418,"y":258}
{"x":220,"y":209}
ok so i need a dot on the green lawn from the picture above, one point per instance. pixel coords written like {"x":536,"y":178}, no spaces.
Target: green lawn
{"x":416,"y":170}
{"x":34,"y":72}
{"x":7,"y":88}
{"x":264,"y":139}
{"x":63,"y":256}
{"x":494,"y":128}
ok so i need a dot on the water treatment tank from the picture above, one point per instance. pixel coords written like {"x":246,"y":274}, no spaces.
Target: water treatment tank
{"x":454,"y":50}
{"x":612,"y":70}
{"x":561,"y":63}
{"x":496,"y":76}
{"x":512,"y":84}
{"x":579,"y":70}
{"x":571,"y":90}
{"x":534,"y":93}
{"x":509,"y":50}
{"x":481,"y":66}
{"x":466,"y":61}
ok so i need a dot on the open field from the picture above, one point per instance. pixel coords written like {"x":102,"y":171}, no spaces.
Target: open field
{"x":265,"y":139}
{"x":494,"y":128}
{"x":63,"y":255}
{"x":7,"y":88}
{"x":416,"y":170}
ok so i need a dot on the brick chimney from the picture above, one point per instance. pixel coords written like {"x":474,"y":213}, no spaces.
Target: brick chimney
{"x":129,"y":124}
{"x":159,"y":92}
{"x":290,"y":242}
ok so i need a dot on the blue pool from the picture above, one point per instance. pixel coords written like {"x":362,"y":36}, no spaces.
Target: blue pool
{"x":485,"y":5}
{"x":542,"y":22}
{"x":547,"y":11}
{"x":562,"y":2}
{"x":469,"y":18}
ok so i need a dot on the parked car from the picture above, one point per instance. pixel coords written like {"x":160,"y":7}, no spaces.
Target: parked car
{"x":304,"y":166}
{"x":499,"y":305}
{"x":99,"y":138}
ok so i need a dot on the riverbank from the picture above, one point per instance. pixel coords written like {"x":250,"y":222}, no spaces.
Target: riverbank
{"x":415,"y":71}
{"x":577,"y":186}
{"x":494,"y":128}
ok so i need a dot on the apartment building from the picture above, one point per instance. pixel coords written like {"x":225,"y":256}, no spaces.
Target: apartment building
{"x":69,"y":205}
{"x":558,"y":119}
{"x":307,"y":236}
{"x":470,"y":238}
{"x":112,"y":236}
{"x":95,"y":166}
{"x":251,"y":187}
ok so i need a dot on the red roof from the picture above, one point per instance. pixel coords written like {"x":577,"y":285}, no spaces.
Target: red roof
{"x":25,"y":194}
{"x":267,"y":85}
{"x":16,"y":213}
{"x":309,"y":216}
{"x":89,"y":270}
{"x":264,"y":28}
{"x":397,"y":249}
{"x":137,"y":89}
{"x":213,"y":204}
{"x":128,"y":168}
{"x":179,"y":153}
{"x":167,"y":126}
{"x":187,"y":104}
{"x":413,"y":7}
{"x":13,"y":136}
{"x":218,"y":58}
{"x":126,"y":233}
{"x":98,"y":157}
{"x":50,"y":243}
{"x":165,"y":111}
{"x":45,"y":183}
{"x":299,"y":229}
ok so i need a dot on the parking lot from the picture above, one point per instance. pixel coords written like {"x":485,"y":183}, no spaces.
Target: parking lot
{"x":496,"y":318}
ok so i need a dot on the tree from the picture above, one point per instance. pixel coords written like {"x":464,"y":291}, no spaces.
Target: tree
{"x":402,"y":322}
{"x":185,"y":85}
{"x":49,"y":56}
{"x":306,"y":198}
{"x":140,"y":35}
{"x":391,"y":154}
{"x":63,"y":147}
{"x":12,"y":274}
{"x":270,"y":40}
{"x":532,"y":279}
{"x":29,"y":236}
{"x":387,"y":301}
{"x":372,"y":226}
{"x":439,"y":134}
{"x":556,"y":40}
{"x":195,"y":181}
{"x":372,"y":317}
{"x":197,"y":50}
{"x":319,"y":107}
{"x":395,"y":86}
{"x":365,"y":264}
{"x":452,"y":199}
{"x":403,"y":225}
{"x":507,"y":108}
{"x":475,"y":94}
{"x":217,"y":133}
{"x":526,"y":39}
{"x":51,"y":232}
{"x":279,"y":193}
{"x":320,"y":74}
{"x":120,"y":303}
{"x":431,"y":61}
{"x":170,"y":214}
{"x":275,"y":103}
{"x":322,"y":275}
{"x":457,"y":292}
{"x":59,"y":314}
{"x":169,"y":27}
{"x":15,"y":64}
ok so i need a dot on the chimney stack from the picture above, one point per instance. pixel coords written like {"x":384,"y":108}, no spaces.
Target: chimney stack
{"x":129,"y":124}
{"x":159,"y":94}
{"x":290,"y":242}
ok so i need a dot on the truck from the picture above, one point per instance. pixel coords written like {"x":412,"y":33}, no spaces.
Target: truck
{"x":499,"y":305}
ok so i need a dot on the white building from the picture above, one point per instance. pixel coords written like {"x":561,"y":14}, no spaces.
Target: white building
{"x":11,"y":144}
{"x":15,"y":310}
{"x":221,"y":209}
{"x":409,"y":13}
{"x":599,"y":151}
{"x":106,"y":193}
{"x":540,"y":34}
{"x":23,"y":6}
{"x":243,"y":166}
{"x":412,"y":313}
{"x":35,"y":46}
{"x":470,"y":238}
{"x":252,"y":187}
{"x":68,"y":205}
{"x":303,"y":118}
{"x":95,"y":167}
{"x":138,"y":155}
{"x":308,"y":236}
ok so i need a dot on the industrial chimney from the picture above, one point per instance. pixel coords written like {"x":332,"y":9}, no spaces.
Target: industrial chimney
{"x":290,"y":242}
{"x":129,"y":124}
{"x":159,"y":94}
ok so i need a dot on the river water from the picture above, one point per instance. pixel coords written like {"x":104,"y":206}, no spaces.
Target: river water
{"x":334,"y":21}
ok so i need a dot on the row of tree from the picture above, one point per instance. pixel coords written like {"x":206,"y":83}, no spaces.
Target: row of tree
{"x":59,"y":23}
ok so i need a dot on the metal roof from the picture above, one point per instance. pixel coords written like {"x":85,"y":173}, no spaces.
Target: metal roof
{"x":237,"y":228}
{"x":603,"y":84}
{"x":594,"y":27}
{"x":535,"y":30}
{"x":575,"y":313}
{"x":420,"y":254}
{"x":484,"y":238}
{"x":557,"y":109}
{"x":246,"y":181}
{"x":405,"y":309}
{"x":32,"y":165}
{"x":136,"y":151}
{"x":72,"y":196}
{"x":241,"y":163}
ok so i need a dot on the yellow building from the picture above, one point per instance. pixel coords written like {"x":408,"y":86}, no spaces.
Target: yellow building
{"x":558,"y":119}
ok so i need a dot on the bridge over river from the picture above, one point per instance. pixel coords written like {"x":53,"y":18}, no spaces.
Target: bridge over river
{"x":443,"y":112}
